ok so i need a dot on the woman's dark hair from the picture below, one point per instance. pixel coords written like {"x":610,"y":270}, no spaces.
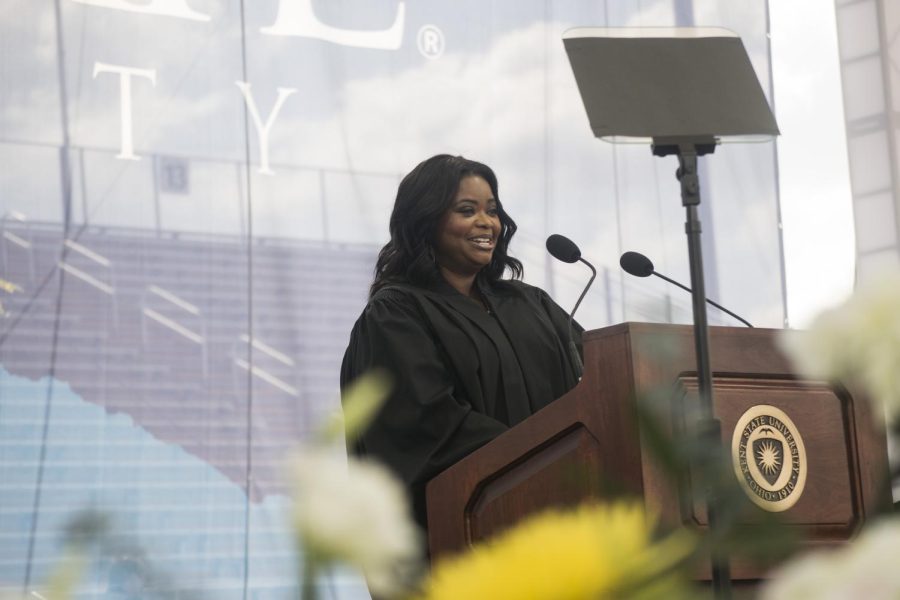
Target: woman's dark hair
{"x":423,"y":198}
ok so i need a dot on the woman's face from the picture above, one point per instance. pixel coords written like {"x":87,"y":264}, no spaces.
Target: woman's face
{"x":468,"y":232}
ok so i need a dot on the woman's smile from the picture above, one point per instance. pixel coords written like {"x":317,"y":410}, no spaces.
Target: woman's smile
{"x":483,"y":242}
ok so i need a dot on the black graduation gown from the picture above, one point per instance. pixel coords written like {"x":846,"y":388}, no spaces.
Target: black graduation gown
{"x":462,"y":375}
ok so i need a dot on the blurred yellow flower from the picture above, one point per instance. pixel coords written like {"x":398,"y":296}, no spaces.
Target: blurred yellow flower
{"x":66,"y":575}
{"x":9,"y":287}
{"x":595,"y":551}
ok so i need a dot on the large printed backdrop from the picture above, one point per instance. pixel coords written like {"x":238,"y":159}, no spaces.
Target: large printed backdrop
{"x":192,"y":197}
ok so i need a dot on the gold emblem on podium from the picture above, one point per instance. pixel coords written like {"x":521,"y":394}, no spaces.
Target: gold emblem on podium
{"x":769,"y":457}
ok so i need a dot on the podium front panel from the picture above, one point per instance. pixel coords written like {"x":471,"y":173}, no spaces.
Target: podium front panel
{"x":560,"y":472}
{"x":822,"y":421}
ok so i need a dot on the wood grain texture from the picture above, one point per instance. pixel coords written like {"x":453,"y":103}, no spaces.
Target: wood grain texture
{"x":587,"y":444}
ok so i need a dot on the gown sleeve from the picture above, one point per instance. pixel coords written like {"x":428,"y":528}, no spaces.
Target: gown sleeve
{"x":426,"y":424}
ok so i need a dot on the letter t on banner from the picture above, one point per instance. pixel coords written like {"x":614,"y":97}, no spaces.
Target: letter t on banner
{"x":125,"y":73}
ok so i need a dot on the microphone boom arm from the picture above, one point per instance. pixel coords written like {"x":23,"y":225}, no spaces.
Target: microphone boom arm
{"x":581,"y":297}
{"x":719,"y":306}
{"x":573,"y":349}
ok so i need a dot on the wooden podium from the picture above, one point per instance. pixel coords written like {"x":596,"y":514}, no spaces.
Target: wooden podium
{"x":588,"y":443}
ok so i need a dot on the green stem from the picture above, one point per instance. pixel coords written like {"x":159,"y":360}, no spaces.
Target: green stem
{"x":308,"y":588}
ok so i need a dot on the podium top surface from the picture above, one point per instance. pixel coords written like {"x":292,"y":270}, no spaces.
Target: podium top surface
{"x":648,"y":32}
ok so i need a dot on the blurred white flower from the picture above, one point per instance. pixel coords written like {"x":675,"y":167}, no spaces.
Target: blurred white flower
{"x":858,"y":341}
{"x":355,"y":511}
{"x":867,"y":568}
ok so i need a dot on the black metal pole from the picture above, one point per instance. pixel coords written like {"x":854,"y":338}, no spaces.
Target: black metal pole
{"x":708,"y":426}
{"x":690,"y":199}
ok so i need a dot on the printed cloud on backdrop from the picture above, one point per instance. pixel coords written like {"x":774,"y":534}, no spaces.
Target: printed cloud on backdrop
{"x":339,"y":144}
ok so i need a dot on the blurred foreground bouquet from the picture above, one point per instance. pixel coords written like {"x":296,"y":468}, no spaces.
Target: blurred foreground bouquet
{"x":595,"y":551}
{"x":858,"y":341}
{"x":353,"y":511}
{"x":867,"y":568}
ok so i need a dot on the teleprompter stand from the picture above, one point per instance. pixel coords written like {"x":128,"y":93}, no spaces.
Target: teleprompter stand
{"x":683,"y":90}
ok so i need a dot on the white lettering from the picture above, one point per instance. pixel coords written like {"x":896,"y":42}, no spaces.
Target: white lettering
{"x":430,"y":40}
{"x":297,"y":18}
{"x":126,"y":150}
{"x":169,"y":8}
{"x":262,"y":130}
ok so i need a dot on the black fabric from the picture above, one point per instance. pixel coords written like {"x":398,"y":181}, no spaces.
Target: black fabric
{"x":462,"y":374}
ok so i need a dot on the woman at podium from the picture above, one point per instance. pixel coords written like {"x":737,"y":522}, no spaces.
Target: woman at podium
{"x":471,"y":352}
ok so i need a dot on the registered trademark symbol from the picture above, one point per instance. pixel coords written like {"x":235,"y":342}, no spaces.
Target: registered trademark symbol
{"x":430,"y":40}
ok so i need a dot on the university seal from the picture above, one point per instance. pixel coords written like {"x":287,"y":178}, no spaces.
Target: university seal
{"x":769,"y":458}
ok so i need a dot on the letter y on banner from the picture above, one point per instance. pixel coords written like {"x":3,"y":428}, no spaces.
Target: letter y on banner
{"x":263,"y":129}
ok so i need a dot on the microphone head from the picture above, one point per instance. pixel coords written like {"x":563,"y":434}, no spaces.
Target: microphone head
{"x":562,"y":248}
{"x":636,"y":264}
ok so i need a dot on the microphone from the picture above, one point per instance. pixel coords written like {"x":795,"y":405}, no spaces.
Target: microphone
{"x":562,"y":248}
{"x":635,"y":263}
